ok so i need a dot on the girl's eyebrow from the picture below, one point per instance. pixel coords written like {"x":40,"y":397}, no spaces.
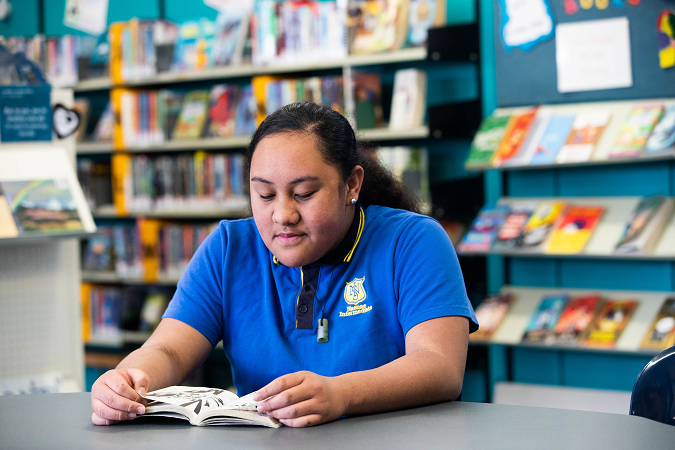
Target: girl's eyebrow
{"x":296,"y":181}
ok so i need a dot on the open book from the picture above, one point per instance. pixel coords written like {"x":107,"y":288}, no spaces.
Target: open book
{"x":206,"y":406}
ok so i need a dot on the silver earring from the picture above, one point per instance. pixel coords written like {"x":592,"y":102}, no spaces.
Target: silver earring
{"x":353,"y":201}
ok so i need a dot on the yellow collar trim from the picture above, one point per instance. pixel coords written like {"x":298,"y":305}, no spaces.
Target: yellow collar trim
{"x":348,"y":258}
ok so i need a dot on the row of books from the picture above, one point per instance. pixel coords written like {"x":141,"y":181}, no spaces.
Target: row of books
{"x":557,"y":227}
{"x":148,"y":249}
{"x":146,"y":118}
{"x":536,"y":137}
{"x":107,"y":311}
{"x":287,"y":32}
{"x":583,"y":320}
{"x":60,"y":58}
{"x":191,"y":182}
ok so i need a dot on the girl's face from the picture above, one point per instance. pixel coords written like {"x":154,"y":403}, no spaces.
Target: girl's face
{"x":301,"y":207}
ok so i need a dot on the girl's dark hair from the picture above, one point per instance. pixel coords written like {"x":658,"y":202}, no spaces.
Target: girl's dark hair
{"x":337,"y":144}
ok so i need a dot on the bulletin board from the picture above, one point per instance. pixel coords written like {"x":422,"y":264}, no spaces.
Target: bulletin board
{"x":530,"y":77}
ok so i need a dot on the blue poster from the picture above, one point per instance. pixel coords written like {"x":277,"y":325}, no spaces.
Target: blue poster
{"x":25,"y":113}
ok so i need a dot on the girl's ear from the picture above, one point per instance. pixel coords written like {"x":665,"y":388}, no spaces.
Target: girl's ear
{"x":354,"y":183}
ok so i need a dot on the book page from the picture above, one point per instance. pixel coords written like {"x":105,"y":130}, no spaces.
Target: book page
{"x":197,"y":400}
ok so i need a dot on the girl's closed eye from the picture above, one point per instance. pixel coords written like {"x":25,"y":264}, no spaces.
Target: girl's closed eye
{"x":304,"y":196}
{"x":266,"y":197}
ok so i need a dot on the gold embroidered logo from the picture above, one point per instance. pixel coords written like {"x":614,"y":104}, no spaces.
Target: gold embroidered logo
{"x":354,"y":294}
{"x":354,"y":291}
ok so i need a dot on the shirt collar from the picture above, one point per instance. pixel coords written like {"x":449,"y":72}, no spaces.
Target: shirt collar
{"x":346,"y":249}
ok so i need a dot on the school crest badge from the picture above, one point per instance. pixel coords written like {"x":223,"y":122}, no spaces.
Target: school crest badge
{"x":355,"y":293}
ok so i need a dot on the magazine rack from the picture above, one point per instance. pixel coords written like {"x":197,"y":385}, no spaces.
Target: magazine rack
{"x":40,"y":331}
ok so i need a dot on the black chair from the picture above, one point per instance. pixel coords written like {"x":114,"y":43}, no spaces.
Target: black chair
{"x":654,"y":391}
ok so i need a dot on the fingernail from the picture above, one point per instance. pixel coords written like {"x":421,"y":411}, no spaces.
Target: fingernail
{"x":132,"y":415}
{"x":140,"y":410}
{"x":256,"y":396}
{"x":283,"y":421}
{"x":260,"y":408}
{"x":142,"y":392}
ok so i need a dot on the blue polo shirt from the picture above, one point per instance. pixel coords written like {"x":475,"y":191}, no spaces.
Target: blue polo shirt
{"x":394,"y":270}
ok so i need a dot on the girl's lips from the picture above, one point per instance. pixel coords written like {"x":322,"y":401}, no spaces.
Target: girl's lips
{"x":287,"y":238}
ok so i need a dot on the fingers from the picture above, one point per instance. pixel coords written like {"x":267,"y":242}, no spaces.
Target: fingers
{"x":279,"y":385}
{"x":305,"y":421}
{"x":98,"y":421}
{"x":286,"y":398}
{"x":105,"y":412}
{"x":140,"y":381}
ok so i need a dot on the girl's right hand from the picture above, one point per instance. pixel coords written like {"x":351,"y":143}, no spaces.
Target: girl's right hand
{"x":117,"y":395}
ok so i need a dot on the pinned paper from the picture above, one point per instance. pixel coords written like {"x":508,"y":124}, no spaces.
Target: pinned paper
{"x":666,"y":38}
{"x":90,"y":16}
{"x":525,"y":23}
{"x":593,"y":55}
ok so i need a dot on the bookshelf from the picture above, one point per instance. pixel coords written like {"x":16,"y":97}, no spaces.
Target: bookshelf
{"x":246,"y":70}
{"x":240,"y":142}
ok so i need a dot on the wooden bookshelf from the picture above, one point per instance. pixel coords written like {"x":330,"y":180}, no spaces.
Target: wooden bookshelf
{"x":248,"y":70}
{"x":241,"y":142}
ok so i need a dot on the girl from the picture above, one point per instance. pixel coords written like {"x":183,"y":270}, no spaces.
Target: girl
{"x":333,"y":300}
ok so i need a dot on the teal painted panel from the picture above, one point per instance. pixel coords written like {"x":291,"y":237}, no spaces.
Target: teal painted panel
{"x":536,"y":366}
{"x":531,"y":183}
{"x":446,"y":161}
{"x":23,"y":21}
{"x":496,"y":271}
{"x":450,"y":82}
{"x":118,"y":10}
{"x":487,"y":55}
{"x":533,"y":272}
{"x":473,"y":388}
{"x":608,"y":274}
{"x":602,"y":371}
{"x":618,"y":180}
{"x":497,"y":366}
{"x":181,"y":11}
{"x":461,"y":11}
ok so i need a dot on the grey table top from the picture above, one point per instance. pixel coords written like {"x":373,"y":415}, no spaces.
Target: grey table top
{"x":63,"y":421}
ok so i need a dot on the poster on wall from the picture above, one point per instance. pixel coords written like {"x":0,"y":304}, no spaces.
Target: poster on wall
{"x":25,"y":113}
{"x":525,"y":23}
{"x":90,"y":16}
{"x":593,"y":55}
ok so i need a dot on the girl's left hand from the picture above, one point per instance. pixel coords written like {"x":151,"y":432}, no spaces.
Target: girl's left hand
{"x":303,"y":399}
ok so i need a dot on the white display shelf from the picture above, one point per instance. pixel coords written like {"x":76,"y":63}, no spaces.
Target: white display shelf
{"x":109,"y":212}
{"x":45,"y":238}
{"x":619,"y":111}
{"x":527,"y":299}
{"x":240,"y":142}
{"x":109,"y":277}
{"x":247,"y":70}
{"x":606,"y":234}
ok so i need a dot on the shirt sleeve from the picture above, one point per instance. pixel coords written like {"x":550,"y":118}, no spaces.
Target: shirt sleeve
{"x":198,"y":298}
{"x":428,"y":279}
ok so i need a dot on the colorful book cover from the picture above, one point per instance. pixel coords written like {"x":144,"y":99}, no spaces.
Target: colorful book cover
{"x":367,"y":99}
{"x":222,"y":110}
{"x":607,"y":326}
{"x":544,"y":318}
{"x":575,"y":229}
{"x":486,"y":141}
{"x":586,"y":131}
{"x":7,"y":225}
{"x":246,"y":118}
{"x":45,"y":206}
{"x":556,"y":133}
{"x":661,"y":334}
{"x":516,"y":132}
{"x":484,"y":229}
{"x":514,"y":223}
{"x":575,"y":319}
{"x":663,"y":136}
{"x":98,"y":252}
{"x":190,"y":123}
{"x":540,"y":223}
{"x":640,"y":218}
{"x":490,"y":314}
{"x":635,"y":131}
